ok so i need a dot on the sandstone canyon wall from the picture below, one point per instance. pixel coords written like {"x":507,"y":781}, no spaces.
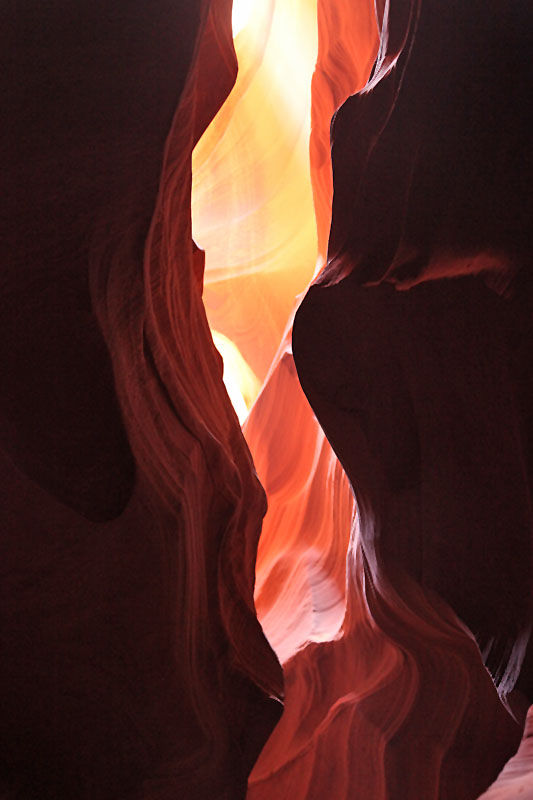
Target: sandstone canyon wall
{"x":133,"y":664}
{"x":395,"y":589}
{"x":414,"y":349}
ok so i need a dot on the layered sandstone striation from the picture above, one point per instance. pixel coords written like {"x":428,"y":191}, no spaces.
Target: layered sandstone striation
{"x":133,"y":664}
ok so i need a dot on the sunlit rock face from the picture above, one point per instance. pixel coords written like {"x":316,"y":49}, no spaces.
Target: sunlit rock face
{"x":301,"y":570}
{"x":254,"y":201}
{"x":253,"y":213}
{"x":348,"y":41}
{"x":133,"y":665}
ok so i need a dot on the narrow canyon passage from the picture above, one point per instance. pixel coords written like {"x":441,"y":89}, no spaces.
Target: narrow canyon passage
{"x":447,"y":535}
{"x":266,"y":424}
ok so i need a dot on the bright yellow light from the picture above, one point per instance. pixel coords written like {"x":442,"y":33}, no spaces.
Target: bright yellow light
{"x":242,"y":385}
{"x":252,"y":202}
{"x":242,"y":10}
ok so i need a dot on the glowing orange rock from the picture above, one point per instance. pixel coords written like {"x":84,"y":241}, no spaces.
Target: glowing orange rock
{"x":301,"y":563}
{"x":301,"y":572}
{"x":348,"y":40}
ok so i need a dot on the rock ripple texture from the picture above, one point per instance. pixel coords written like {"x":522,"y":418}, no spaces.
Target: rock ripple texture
{"x":133,"y":663}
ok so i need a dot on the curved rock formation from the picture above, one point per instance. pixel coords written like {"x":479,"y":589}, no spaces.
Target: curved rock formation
{"x":131,"y":510}
{"x":133,"y":666}
{"x":347,"y":46}
{"x":301,"y":561}
{"x":301,"y":569}
{"x":411,"y":123}
{"x":425,"y":396}
{"x":253,"y":213}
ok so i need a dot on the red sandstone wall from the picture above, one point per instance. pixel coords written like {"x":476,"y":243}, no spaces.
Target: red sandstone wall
{"x":134,"y":665}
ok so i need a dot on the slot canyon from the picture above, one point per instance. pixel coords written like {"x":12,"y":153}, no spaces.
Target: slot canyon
{"x":266,"y":409}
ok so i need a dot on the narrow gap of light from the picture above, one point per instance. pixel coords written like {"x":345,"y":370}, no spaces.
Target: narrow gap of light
{"x":242,"y":10}
{"x":242,"y":385}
